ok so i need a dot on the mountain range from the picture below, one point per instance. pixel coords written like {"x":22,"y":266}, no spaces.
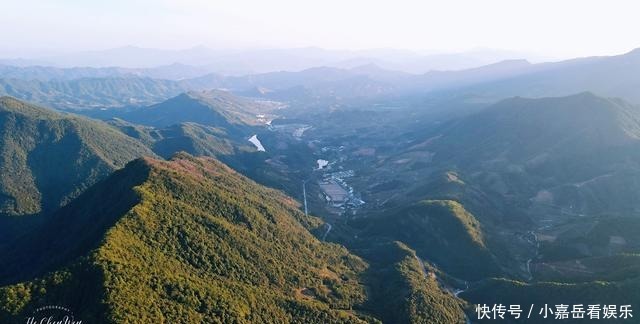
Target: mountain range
{"x":203,"y":243}
{"x":84,"y":88}
{"x":251,"y":61}
{"x":328,"y":194}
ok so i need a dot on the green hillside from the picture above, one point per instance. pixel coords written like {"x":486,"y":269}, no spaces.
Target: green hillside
{"x":195,"y":139}
{"x":201,"y":244}
{"x":190,"y":240}
{"x":211,"y":108}
{"x":540,"y":131}
{"x":562,"y":155}
{"x":48,"y":158}
{"x":86,"y":93}
{"x":434,"y":228}
{"x":405,"y":289}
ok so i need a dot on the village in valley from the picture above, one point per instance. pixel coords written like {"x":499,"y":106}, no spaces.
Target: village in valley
{"x":339,"y":195}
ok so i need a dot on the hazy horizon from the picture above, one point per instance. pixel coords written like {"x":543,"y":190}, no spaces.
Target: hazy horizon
{"x":534,"y":28}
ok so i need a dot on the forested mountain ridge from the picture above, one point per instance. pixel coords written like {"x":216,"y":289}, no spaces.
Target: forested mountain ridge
{"x":48,"y":158}
{"x":222,"y":247}
{"x":556,"y":151}
{"x":190,"y":240}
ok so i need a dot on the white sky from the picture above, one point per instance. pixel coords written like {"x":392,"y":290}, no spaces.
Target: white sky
{"x":559,"y":28}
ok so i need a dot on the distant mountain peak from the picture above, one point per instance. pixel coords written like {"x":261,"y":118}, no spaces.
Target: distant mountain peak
{"x":514,"y":63}
{"x":578,"y":95}
{"x":216,"y":108}
{"x":635,"y":51}
{"x":634,"y":55}
{"x":525,"y":128}
{"x":367,"y":67}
